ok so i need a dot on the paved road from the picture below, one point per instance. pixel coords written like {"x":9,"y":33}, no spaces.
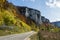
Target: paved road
{"x":23,"y":36}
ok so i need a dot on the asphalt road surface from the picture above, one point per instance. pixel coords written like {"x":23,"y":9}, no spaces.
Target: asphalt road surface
{"x":22,"y":36}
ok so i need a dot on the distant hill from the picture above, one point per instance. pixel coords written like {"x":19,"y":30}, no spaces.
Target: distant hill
{"x":57,"y":23}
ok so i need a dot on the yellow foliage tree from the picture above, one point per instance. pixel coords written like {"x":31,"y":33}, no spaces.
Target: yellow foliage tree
{"x":1,"y":19}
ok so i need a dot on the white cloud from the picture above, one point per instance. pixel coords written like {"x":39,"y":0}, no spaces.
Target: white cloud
{"x":58,"y":4}
{"x":53,"y":3}
{"x":29,"y":0}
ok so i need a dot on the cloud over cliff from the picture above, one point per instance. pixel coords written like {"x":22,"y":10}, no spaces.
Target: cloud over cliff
{"x":53,"y":3}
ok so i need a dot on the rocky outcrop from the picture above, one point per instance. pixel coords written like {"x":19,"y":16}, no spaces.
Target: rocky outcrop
{"x":30,"y":13}
{"x":45,"y":20}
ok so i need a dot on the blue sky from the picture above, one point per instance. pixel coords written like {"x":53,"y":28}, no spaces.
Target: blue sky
{"x":49,"y":8}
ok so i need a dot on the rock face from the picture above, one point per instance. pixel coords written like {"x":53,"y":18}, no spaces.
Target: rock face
{"x":30,"y":13}
{"x":33,"y":14}
{"x":45,"y":20}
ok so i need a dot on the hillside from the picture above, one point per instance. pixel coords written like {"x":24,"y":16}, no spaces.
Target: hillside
{"x":9,"y":22}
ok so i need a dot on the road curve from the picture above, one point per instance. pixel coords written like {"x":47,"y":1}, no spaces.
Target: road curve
{"x":23,"y":36}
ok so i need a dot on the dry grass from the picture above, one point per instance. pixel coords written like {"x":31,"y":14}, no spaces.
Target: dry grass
{"x":45,"y":35}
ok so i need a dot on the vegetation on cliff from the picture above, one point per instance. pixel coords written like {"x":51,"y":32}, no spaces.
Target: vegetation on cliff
{"x":9,"y":22}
